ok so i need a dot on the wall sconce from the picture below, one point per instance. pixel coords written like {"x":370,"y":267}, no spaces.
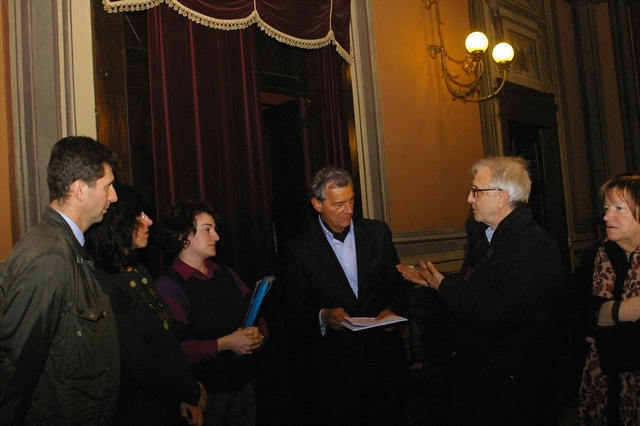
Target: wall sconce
{"x":473,"y":65}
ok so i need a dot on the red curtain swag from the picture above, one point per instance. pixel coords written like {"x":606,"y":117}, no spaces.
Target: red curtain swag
{"x":207,"y":141}
{"x":308,"y":24}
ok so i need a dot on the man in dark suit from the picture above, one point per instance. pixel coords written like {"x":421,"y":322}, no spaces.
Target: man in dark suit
{"x":344,"y":267}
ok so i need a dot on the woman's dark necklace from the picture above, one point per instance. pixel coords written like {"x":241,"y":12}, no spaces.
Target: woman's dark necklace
{"x":149,"y":295}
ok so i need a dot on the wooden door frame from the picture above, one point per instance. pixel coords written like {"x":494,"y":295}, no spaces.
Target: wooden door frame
{"x":530,"y":106}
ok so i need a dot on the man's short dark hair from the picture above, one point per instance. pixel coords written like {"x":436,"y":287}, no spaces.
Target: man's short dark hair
{"x":76,"y":158}
{"x":329,"y":175}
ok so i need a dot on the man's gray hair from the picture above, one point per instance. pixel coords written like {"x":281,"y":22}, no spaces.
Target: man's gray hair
{"x":332,"y":176}
{"x":508,"y":173}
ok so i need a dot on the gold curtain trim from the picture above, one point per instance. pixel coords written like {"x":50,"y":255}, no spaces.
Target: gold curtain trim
{"x":230,"y":24}
{"x":129,"y":5}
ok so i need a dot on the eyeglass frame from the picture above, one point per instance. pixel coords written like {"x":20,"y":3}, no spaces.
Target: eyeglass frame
{"x":474,"y":190}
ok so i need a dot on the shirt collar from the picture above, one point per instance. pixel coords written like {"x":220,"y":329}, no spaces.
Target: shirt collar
{"x":328,"y":232}
{"x":489,"y":233}
{"x":75,"y":228}
{"x":187,"y":271}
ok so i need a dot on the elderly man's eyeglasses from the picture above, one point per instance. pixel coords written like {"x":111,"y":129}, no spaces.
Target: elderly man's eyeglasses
{"x":475,"y":190}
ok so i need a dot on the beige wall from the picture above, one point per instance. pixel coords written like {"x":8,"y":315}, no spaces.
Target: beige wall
{"x":431,"y":141}
{"x":6,"y":236}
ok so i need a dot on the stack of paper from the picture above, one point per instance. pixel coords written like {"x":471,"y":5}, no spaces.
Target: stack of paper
{"x":362,"y":323}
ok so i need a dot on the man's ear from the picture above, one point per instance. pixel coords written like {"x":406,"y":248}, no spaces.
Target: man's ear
{"x":317,"y":204}
{"x":79,"y":190}
{"x":503,"y":198}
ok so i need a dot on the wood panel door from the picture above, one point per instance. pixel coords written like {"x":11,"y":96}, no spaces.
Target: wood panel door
{"x":530,"y":130}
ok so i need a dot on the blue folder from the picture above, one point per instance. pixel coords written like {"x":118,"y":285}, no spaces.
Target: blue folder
{"x":262,"y":287}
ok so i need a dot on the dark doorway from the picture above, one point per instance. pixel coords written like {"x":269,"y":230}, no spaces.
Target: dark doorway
{"x":290,"y":164}
{"x":285,"y":129}
{"x":525,"y":140}
{"x":530,"y":130}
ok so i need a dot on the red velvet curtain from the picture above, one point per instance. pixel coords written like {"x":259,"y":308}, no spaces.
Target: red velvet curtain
{"x":336,"y":149}
{"x":206,"y":124}
{"x":207,"y":139}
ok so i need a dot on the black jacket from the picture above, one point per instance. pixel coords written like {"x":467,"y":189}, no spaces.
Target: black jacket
{"x":155,"y":374}
{"x":368,"y":367}
{"x":59,"y":353}
{"x":315,"y":279}
{"x":505,"y":342}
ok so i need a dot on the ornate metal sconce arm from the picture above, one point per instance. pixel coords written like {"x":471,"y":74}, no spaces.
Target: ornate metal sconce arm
{"x":473,"y":65}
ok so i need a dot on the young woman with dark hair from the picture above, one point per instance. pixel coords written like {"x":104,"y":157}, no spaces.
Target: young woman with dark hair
{"x":156,"y":384}
{"x":209,"y":302}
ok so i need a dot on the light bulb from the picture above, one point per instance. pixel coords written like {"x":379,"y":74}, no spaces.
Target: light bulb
{"x":503,"y":52}
{"x":476,"y":41}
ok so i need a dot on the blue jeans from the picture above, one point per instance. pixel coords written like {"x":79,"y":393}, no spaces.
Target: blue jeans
{"x":236,"y":408}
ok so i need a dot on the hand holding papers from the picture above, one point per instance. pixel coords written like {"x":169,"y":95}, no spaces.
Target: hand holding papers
{"x":262,"y":287}
{"x":362,"y":323}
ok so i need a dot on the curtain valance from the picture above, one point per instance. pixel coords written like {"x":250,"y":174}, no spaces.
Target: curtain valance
{"x":308,"y":24}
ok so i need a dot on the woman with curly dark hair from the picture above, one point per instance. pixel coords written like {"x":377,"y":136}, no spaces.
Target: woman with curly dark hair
{"x":209,"y":302}
{"x":156,"y":386}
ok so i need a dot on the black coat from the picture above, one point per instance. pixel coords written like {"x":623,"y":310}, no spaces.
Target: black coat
{"x":155,"y":374}
{"x":315,"y":279}
{"x":505,"y":342}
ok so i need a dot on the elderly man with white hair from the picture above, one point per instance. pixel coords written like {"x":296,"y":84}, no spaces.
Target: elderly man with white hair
{"x":504,"y":343}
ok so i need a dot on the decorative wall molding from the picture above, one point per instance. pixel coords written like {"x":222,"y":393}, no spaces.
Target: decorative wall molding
{"x":523,"y":24}
{"x":446,"y":248}
{"x":368,"y":115}
{"x":52,"y":90}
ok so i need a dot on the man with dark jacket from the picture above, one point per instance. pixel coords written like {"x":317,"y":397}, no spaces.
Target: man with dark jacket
{"x":343,"y":267}
{"x":59,"y":355}
{"x":505,"y":343}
